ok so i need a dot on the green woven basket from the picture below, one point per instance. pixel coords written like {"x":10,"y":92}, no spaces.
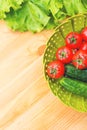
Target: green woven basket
{"x":76,"y":24}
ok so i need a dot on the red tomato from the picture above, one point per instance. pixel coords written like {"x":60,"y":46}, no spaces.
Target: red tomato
{"x":74,"y":51}
{"x":79,"y":60}
{"x":84,"y":34}
{"x":73,"y":40}
{"x":55,"y":69}
{"x":84,"y":46}
{"x":64,"y":54}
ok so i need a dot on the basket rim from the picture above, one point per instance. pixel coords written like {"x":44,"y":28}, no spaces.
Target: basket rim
{"x":70,"y":18}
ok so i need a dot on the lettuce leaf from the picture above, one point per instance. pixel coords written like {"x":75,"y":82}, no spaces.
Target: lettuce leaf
{"x":5,"y":6}
{"x":74,"y":7}
{"x":84,"y":2}
{"x":29,"y":17}
{"x":55,"y":6}
{"x":37,"y":15}
{"x":43,"y":4}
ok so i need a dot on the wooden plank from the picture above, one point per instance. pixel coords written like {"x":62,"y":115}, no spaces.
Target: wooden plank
{"x":18,"y":51}
{"x":26,"y":101}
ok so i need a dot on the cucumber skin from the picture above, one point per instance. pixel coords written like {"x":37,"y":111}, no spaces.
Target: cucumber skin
{"x":74,"y":86}
{"x":75,"y":73}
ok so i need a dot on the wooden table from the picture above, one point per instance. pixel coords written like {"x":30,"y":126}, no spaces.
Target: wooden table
{"x":26,"y":101}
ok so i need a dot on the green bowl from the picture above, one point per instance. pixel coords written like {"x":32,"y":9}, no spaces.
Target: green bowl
{"x":76,"y":24}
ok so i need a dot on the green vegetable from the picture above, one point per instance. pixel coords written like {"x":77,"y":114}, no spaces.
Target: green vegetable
{"x":74,"y":6}
{"x":75,"y":73}
{"x":33,"y":15}
{"x":74,"y":86}
{"x":27,"y":18}
{"x":84,"y":2}
{"x":37,"y":15}
{"x":6,"y":5}
{"x":77,"y":102}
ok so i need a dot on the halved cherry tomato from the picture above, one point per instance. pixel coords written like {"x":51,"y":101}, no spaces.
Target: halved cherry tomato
{"x":79,"y":60}
{"x":55,"y":69}
{"x":84,"y":46}
{"x":73,"y":40}
{"x":84,"y":34}
{"x":64,"y":54}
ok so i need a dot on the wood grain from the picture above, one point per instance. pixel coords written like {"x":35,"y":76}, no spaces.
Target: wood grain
{"x":26,"y":101}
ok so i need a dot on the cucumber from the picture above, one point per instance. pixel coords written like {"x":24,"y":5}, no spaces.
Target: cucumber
{"x":75,"y":86}
{"x":75,"y":73}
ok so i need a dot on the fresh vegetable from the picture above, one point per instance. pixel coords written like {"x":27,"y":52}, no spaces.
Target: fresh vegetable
{"x":29,"y":17}
{"x":36,"y":15}
{"x":74,"y":51}
{"x":76,"y":101}
{"x":84,"y":46}
{"x":84,"y":2}
{"x":6,"y":5}
{"x":84,"y":34}
{"x":32,"y":15}
{"x":74,"y":6}
{"x":75,"y":73}
{"x":74,"y":86}
{"x":55,"y":69}
{"x":64,"y":54}
{"x":79,"y":60}
{"x":73,"y":40}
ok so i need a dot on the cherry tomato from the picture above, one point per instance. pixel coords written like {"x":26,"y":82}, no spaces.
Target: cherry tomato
{"x":55,"y":69}
{"x":73,"y":40}
{"x":79,"y":60}
{"x":84,"y":46}
{"x":64,"y":54}
{"x":84,"y":34}
{"x":74,"y":51}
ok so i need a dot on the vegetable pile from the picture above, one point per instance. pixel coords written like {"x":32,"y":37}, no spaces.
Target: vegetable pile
{"x":74,"y":53}
{"x":70,"y":64}
{"x":36,"y":15}
{"x":68,"y":46}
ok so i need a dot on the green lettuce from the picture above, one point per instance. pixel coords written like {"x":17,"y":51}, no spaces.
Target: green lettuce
{"x":34,"y":15}
{"x":84,"y":2}
{"x":42,"y":4}
{"x":29,"y":17}
{"x":37,"y":15}
{"x":5,"y":6}
{"x":74,"y":7}
{"x":55,"y":6}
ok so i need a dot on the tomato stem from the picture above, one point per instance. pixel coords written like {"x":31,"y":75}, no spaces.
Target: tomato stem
{"x":62,"y":54}
{"x":53,"y":70}
{"x":73,"y":40}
